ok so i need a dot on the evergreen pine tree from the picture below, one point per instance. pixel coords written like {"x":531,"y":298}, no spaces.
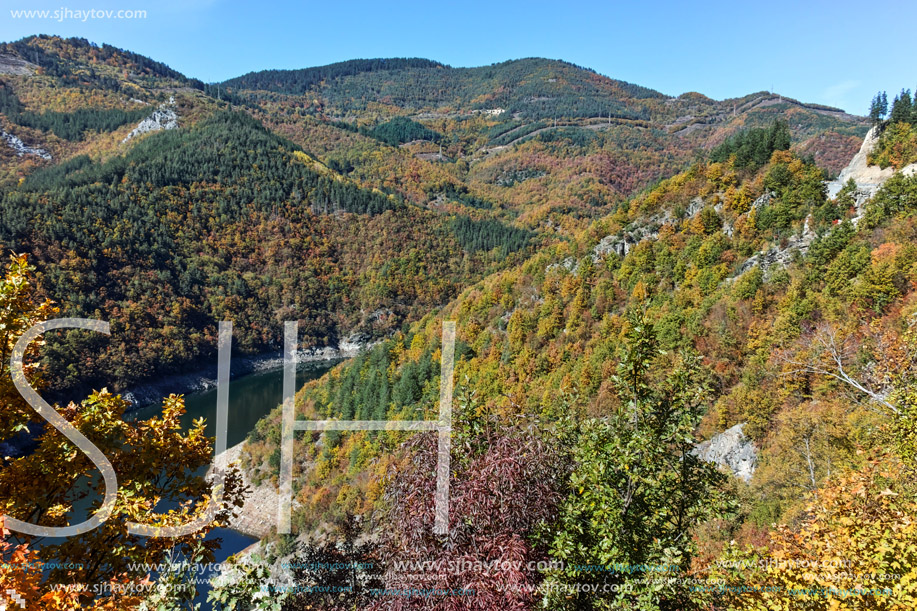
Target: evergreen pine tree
{"x":901,"y":109}
{"x":874,"y":110}
{"x":913,"y":120}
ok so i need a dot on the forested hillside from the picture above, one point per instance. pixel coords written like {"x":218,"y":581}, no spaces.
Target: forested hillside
{"x":897,"y":146}
{"x":218,"y":219}
{"x":226,"y":221}
{"x":631,"y":274}
{"x":557,"y":144}
{"x":744,"y":296}
{"x":223,"y":218}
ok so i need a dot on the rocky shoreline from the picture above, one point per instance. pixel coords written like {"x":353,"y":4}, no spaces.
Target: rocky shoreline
{"x":205,"y":378}
{"x":258,"y":515}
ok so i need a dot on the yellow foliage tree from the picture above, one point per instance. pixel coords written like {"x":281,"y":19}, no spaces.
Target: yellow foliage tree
{"x":154,"y":459}
{"x":855,"y":549}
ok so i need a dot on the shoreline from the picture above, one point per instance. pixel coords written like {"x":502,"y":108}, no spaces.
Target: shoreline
{"x":200,"y":379}
{"x":205,"y":378}
{"x":258,"y":514}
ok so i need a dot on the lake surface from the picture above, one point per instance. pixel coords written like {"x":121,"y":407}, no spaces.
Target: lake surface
{"x":250,"y":398}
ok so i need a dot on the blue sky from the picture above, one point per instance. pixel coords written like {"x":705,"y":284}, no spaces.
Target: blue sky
{"x":838,"y":53}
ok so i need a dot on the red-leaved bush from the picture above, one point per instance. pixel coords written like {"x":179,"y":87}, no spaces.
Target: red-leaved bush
{"x":498,"y":497}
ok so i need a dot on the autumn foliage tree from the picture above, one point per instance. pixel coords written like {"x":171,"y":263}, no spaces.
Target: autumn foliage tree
{"x":856,"y":548}
{"x":505,"y":483}
{"x":51,"y":482}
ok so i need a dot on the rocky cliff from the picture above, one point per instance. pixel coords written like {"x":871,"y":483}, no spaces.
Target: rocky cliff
{"x":730,"y":449}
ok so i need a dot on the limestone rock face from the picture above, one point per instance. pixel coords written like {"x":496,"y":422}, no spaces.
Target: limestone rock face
{"x":259,"y":513}
{"x":782,"y":256}
{"x":763,"y":200}
{"x":867,"y":177}
{"x":163,"y":117}
{"x":10,"y":64}
{"x":618,"y":245}
{"x":20,"y":147}
{"x":730,"y":449}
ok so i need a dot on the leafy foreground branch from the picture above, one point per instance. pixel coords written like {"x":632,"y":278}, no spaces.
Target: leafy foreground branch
{"x":154,"y":460}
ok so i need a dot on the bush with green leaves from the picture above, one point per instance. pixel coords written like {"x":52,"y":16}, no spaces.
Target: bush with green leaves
{"x":896,"y":198}
{"x":637,"y":490}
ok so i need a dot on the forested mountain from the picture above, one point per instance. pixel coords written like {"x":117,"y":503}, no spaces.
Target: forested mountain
{"x":630,"y":274}
{"x":203,"y":215}
{"x":518,"y":94}
{"x":557,"y":143}
{"x":300,"y":82}
{"x":540,"y":339}
{"x":536,"y":87}
{"x":225,"y":220}
{"x":727,"y":295}
{"x":218,"y":219}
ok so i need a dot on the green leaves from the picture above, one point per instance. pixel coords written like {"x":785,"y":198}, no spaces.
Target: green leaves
{"x":897,"y":197}
{"x":636,"y":490}
{"x":753,"y":148}
{"x":244,"y":589}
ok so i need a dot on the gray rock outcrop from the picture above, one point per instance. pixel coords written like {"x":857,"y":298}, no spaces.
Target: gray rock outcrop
{"x":10,"y":64}
{"x":163,"y":117}
{"x":763,"y":200}
{"x":868,"y":178}
{"x":781,"y":255}
{"x":730,"y":449}
{"x":21,"y":149}
{"x":259,"y":511}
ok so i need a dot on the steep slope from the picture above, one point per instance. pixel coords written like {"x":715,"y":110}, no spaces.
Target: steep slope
{"x":568,"y":227}
{"x":70,"y":97}
{"x":542,"y":341}
{"x":867,"y":177}
{"x":569,"y":146}
{"x":150,"y":199}
{"x":225,"y":220}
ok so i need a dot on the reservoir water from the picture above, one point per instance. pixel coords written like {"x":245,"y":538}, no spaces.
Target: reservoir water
{"x":250,"y":398}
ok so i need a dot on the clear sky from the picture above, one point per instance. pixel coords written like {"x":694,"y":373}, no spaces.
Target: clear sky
{"x":838,"y":53}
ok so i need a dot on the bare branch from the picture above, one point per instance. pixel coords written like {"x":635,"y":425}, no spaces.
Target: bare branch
{"x":837,"y":352}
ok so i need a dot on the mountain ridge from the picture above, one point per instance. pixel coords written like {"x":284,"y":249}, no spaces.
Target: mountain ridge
{"x":488,"y":183}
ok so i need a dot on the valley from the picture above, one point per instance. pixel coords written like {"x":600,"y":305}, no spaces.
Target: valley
{"x":685,"y":331}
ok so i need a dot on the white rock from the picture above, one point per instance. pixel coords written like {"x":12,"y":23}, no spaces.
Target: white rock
{"x":867,"y":177}
{"x":730,"y":449}
{"x":21,"y":149}
{"x":163,"y":117}
{"x":10,"y":64}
